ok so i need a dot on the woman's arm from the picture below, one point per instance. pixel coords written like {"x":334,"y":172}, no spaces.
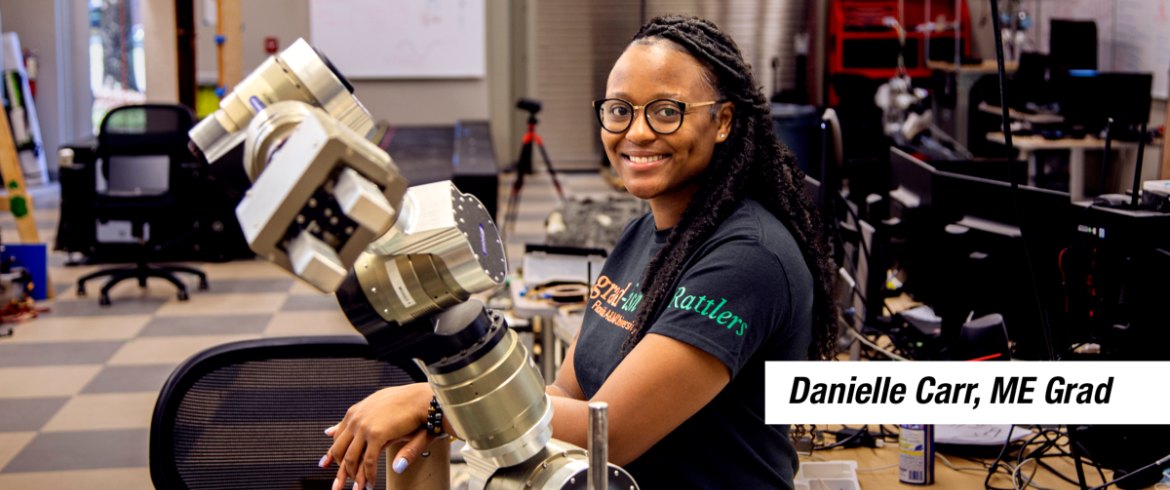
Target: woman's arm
{"x":657,"y":387}
{"x":565,"y":385}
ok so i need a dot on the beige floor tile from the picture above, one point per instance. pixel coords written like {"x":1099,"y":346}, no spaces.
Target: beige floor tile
{"x":244,"y":269}
{"x":293,"y":323}
{"x":42,"y":381}
{"x":108,"y":479}
{"x":169,"y":350}
{"x":302,"y":287}
{"x":104,"y":411}
{"x":84,"y":328}
{"x":529,"y":227}
{"x":223,"y":304}
{"x":66,"y":277}
{"x":11,"y":443}
{"x":9,"y":234}
{"x":155,"y":287}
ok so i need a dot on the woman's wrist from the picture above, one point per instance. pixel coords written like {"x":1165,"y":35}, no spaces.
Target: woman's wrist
{"x":427,"y":395}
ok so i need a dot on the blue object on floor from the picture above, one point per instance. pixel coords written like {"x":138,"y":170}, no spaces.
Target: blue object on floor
{"x":33,"y":257}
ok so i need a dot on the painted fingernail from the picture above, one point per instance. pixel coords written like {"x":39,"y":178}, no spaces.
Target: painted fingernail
{"x":324,"y":461}
{"x":330,"y":431}
{"x":356,"y":487}
{"x":369,"y":486}
{"x":400,"y":465}
{"x":336,"y":484}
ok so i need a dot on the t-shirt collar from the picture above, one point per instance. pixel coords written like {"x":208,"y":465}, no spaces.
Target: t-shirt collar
{"x":660,"y":236}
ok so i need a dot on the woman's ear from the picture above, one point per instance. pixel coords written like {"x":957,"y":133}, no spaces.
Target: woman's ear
{"x":723,"y":119}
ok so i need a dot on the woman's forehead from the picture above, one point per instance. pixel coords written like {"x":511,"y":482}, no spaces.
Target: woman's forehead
{"x":654,"y":71}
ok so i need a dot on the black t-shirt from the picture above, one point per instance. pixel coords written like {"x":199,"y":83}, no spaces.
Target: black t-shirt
{"x":745,"y":297}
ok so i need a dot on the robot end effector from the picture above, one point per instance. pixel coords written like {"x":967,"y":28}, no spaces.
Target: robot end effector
{"x":319,"y":194}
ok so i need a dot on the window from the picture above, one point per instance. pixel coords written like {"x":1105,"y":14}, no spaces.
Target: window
{"x":117,"y":71}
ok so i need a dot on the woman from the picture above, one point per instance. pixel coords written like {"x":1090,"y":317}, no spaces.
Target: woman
{"x":726,"y":272}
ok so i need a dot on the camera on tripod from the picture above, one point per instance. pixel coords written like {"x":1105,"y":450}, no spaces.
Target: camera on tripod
{"x":531,"y":105}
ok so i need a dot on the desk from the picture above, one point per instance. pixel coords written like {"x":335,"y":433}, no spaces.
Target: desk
{"x":945,"y":477}
{"x":542,"y":312}
{"x":954,"y":115}
{"x":1028,"y":145}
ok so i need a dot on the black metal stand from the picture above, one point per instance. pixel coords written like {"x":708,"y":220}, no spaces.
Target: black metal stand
{"x":1105,"y":158}
{"x":524,"y":167}
{"x":141,"y":272}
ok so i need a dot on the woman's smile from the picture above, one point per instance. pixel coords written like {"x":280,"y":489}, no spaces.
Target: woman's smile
{"x":644,"y":161}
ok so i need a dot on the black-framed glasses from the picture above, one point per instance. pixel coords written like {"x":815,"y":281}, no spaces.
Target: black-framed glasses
{"x":664,"y":116}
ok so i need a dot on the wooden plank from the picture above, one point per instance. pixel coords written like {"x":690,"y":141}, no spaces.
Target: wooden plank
{"x":231,"y":52}
{"x":18,"y":201}
{"x":1165,"y":173}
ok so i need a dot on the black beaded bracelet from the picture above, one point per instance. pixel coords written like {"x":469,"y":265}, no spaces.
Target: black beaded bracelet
{"x":435,"y":417}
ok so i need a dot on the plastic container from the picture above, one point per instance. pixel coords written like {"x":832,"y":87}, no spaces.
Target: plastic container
{"x":831,"y":475}
{"x":798,"y":127}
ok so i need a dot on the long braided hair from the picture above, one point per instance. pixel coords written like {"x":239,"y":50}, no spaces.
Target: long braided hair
{"x":750,"y":163}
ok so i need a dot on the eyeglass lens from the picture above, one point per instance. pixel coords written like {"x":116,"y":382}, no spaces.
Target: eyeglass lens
{"x":664,"y":116}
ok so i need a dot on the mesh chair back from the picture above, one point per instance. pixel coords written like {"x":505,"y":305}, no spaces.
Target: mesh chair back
{"x":156,"y":125}
{"x":251,"y":415}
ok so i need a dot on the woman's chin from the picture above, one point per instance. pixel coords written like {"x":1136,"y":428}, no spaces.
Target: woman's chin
{"x":642,"y":190}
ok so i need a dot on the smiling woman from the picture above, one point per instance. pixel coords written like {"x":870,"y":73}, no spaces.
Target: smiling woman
{"x":728,"y":271}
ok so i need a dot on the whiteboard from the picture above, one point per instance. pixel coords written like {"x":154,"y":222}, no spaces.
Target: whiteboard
{"x":1142,"y":40}
{"x":401,"y":38}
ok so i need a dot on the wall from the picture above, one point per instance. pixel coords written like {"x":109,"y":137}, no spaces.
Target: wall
{"x":418,"y":102}
{"x":161,"y":50}
{"x":35,"y":24}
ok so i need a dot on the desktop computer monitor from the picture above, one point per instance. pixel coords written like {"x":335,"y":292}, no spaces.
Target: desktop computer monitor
{"x":1073,"y":45}
{"x":1089,"y":98}
{"x":961,"y":247}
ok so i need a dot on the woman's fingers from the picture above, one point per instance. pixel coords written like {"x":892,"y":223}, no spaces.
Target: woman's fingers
{"x":353,"y":456}
{"x":412,"y":450}
{"x":339,"y":480}
{"x":341,"y":442}
{"x":370,"y":462}
{"x":361,"y":482}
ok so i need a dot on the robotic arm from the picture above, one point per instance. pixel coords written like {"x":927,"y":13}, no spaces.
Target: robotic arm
{"x":331,"y":207}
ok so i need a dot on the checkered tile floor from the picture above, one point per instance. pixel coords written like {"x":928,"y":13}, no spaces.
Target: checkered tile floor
{"x":78,"y":385}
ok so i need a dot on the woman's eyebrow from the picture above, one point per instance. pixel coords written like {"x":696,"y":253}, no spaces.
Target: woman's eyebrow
{"x":659,"y":95}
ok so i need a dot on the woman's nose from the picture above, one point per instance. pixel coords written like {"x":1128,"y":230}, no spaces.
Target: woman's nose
{"x":640,"y":131}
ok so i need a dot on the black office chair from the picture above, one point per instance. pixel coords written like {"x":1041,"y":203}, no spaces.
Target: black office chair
{"x":138,"y":195}
{"x":251,"y":415}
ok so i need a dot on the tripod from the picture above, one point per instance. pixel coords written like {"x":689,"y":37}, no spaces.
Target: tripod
{"x":524,"y":165}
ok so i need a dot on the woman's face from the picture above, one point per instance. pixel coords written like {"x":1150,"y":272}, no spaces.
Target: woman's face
{"x":654,"y":165}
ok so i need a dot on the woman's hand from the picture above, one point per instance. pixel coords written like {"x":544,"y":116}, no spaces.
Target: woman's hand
{"x":385,"y":417}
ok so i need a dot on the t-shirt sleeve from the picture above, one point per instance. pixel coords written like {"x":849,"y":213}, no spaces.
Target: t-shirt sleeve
{"x":728,"y":303}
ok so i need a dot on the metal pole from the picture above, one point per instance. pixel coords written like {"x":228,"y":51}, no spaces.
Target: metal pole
{"x":548,"y":340}
{"x":1105,"y":159}
{"x":929,"y":27}
{"x":958,"y":37}
{"x":1137,"y":173}
{"x":598,"y":446}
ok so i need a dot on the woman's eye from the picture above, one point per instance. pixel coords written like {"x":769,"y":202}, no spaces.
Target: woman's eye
{"x":620,"y":111}
{"x":668,"y":112}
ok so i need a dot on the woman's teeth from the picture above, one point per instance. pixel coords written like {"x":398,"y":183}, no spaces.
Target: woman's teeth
{"x":654,"y":158}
